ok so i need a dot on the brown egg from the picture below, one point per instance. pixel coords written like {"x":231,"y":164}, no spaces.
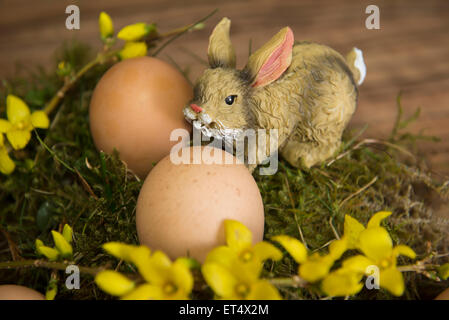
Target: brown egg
{"x":181,"y":208}
{"x":14,"y":292}
{"x":443,"y":295}
{"x":135,"y":107}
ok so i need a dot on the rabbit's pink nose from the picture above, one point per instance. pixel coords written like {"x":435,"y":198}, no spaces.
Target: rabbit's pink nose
{"x":196,"y":108}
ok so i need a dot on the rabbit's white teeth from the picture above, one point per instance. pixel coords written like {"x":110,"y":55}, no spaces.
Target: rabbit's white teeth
{"x":231,"y":133}
{"x":222,"y":133}
{"x":227,"y":133}
{"x":204,"y":130}
{"x":189,"y":114}
{"x":204,"y":117}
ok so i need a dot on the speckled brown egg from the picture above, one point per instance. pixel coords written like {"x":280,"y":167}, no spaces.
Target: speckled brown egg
{"x":14,"y":292}
{"x":181,"y":208}
{"x":135,"y":107}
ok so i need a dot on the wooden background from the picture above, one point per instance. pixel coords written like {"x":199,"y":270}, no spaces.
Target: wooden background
{"x":410,"y":52}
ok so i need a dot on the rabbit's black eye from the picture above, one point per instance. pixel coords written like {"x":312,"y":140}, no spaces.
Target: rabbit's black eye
{"x":230,"y":99}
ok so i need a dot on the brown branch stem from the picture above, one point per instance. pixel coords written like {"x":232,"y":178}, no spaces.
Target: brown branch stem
{"x":417,"y":267}
{"x":46,"y":264}
{"x":294,"y":281}
{"x":105,"y":56}
{"x":100,"y":59}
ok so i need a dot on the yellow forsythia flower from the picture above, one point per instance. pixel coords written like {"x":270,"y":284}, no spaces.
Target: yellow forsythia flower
{"x":312,"y":267}
{"x":377,"y":246}
{"x":62,"y":244}
{"x":353,"y":228}
{"x":136,"y":31}
{"x":165,"y":280}
{"x":7,"y":166}
{"x":20,"y":122}
{"x":170,"y":281}
{"x":133,"y":50}
{"x":237,"y":282}
{"x":106,"y":25}
{"x":114,"y":283}
{"x":239,"y":248}
{"x":233,"y":270}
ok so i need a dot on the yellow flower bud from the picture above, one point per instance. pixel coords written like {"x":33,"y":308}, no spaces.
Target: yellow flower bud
{"x":61,"y":244}
{"x":51,"y":292}
{"x":198,"y":26}
{"x":136,"y":31}
{"x":443,"y":271}
{"x":189,"y":263}
{"x":133,"y":50}
{"x":61,"y":65}
{"x":50,"y":253}
{"x":29,"y":164}
{"x":64,"y":69}
{"x":67,"y":233}
{"x":106,"y":25}
{"x":38,"y":243}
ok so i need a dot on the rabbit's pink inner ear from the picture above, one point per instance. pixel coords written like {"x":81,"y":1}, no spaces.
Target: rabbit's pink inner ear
{"x":277,"y":62}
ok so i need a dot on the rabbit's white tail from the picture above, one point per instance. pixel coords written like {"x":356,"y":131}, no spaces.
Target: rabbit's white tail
{"x":355,"y":61}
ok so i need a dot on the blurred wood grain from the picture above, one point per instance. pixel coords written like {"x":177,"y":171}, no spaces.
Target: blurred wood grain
{"x":410,"y":52}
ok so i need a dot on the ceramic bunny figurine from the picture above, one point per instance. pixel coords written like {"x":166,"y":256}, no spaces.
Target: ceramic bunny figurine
{"x":306,"y":90}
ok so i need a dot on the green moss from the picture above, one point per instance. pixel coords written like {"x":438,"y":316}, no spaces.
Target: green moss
{"x":73,"y":183}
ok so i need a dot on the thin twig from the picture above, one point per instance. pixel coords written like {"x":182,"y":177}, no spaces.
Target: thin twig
{"x":86,"y":185}
{"x":53,"y":153}
{"x":181,"y":31}
{"x":101,"y":58}
{"x":46,"y":264}
{"x":333,"y":228}
{"x":370,"y":141}
{"x":294,"y":281}
{"x":14,"y":250}
{"x":358,"y":191}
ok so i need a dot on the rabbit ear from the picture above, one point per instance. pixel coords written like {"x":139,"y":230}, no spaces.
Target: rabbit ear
{"x":269,"y":62}
{"x":221,"y":52}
